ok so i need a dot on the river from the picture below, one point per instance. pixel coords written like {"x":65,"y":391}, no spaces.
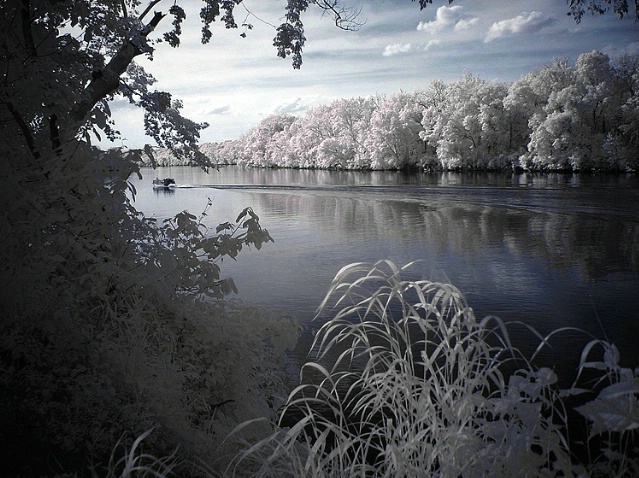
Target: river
{"x":548,"y":250}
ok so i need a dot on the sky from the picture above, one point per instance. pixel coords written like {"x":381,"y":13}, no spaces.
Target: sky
{"x":234,"y":82}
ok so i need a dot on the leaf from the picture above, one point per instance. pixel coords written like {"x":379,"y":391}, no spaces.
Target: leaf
{"x":611,"y":414}
{"x":620,"y":389}
{"x":574,"y":391}
{"x":223,"y":227}
{"x":243,"y":214}
{"x":611,"y":356}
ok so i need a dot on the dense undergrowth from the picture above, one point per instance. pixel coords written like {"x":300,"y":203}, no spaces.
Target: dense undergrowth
{"x":113,"y":325}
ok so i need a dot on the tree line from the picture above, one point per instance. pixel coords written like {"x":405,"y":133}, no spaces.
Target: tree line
{"x":562,"y":117}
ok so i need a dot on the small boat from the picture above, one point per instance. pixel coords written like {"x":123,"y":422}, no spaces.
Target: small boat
{"x":164,"y":183}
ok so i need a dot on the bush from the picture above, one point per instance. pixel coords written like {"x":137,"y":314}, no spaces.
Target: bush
{"x":113,"y":324}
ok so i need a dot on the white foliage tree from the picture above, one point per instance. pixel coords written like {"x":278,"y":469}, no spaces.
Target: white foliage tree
{"x":467,"y":126}
{"x":547,"y":125}
{"x":259,"y":149}
{"x":578,"y":120}
{"x":520,"y":104}
{"x":392,"y":139}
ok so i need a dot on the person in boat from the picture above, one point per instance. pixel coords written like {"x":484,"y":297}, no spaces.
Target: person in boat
{"x":166,"y":182}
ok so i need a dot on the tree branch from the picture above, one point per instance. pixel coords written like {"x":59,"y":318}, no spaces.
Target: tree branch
{"x":148,"y":8}
{"x":345,"y":18}
{"x":54,"y":133}
{"x":106,"y":83}
{"x":23,"y":128}
{"x":25,"y":17}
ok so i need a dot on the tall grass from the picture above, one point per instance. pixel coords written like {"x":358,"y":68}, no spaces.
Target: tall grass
{"x":136,"y":463}
{"x":405,"y":381}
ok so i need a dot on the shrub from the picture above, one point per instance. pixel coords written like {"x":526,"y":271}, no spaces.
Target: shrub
{"x":105,"y":330}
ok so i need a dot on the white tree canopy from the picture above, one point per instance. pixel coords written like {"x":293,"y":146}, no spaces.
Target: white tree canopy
{"x":578,"y":117}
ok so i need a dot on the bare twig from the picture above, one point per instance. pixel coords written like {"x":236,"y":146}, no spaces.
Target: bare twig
{"x":345,"y":18}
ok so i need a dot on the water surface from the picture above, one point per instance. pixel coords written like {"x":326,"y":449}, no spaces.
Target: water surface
{"x":550,"y":251}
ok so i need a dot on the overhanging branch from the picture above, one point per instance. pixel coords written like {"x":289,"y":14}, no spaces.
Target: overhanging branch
{"x":345,"y":18}
{"x":108,"y":81}
{"x":148,"y":8}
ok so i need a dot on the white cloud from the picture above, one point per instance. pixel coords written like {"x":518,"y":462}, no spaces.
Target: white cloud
{"x":525,"y":23}
{"x":396,"y":49}
{"x":465,"y":24}
{"x":222,"y":110}
{"x":432,"y":43}
{"x":616,"y":50}
{"x":298,"y":105}
{"x":447,"y":17}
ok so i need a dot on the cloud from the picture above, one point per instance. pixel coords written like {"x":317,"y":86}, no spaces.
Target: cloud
{"x":447,"y":17}
{"x":432,"y":43}
{"x":616,"y":50}
{"x":397,"y":48}
{"x":465,"y":24}
{"x":298,"y":105}
{"x":222,"y":110}
{"x":523,"y":24}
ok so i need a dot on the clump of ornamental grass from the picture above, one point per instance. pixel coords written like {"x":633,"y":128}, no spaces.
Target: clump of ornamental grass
{"x":416,"y":388}
{"x":406,"y":381}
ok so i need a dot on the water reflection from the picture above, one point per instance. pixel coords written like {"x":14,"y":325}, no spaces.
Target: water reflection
{"x":598,"y":245}
{"x":164,"y":191}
